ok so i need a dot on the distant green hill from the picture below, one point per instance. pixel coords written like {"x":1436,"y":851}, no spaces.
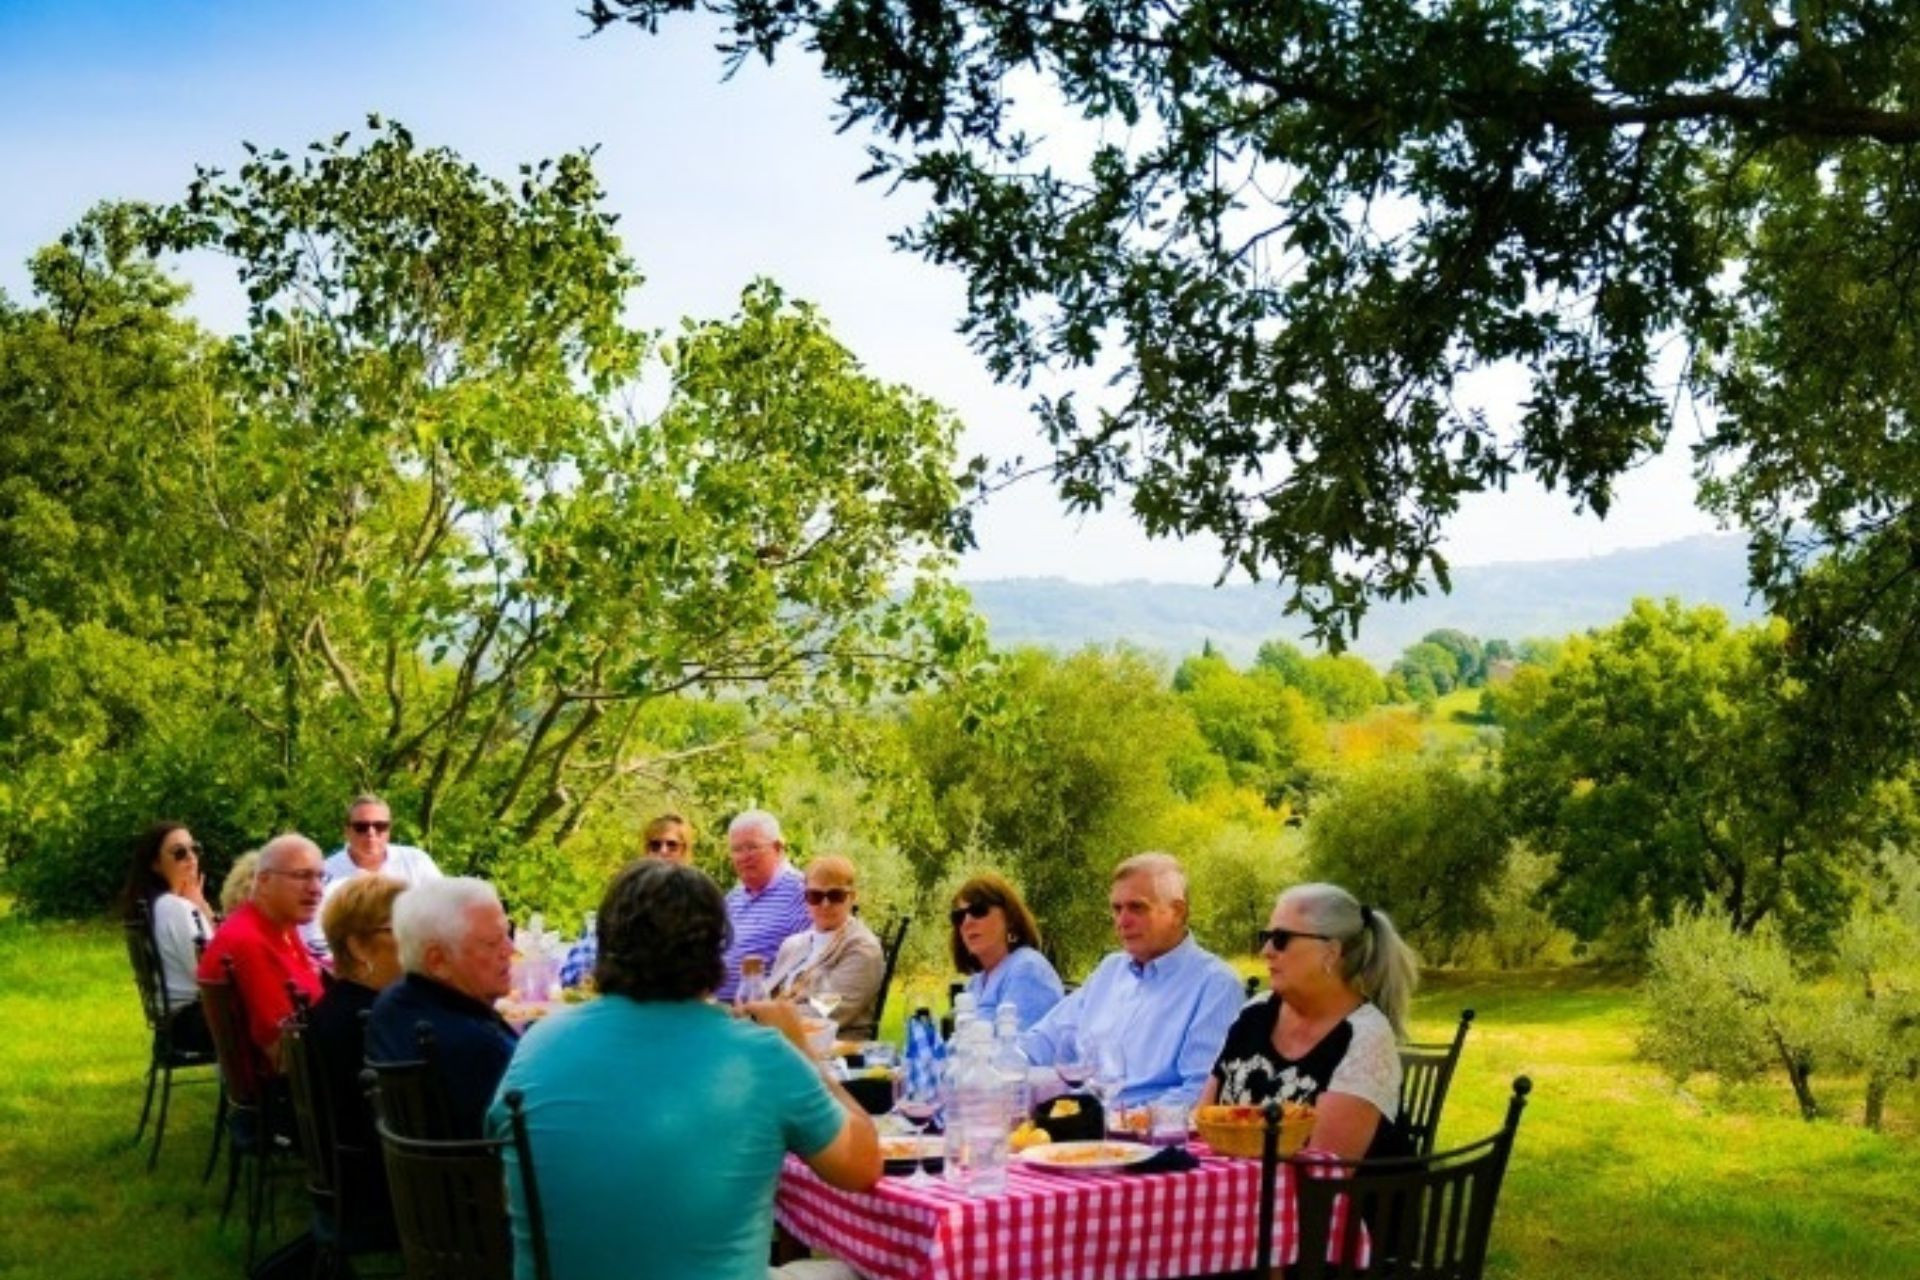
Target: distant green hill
{"x":1545,"y":598}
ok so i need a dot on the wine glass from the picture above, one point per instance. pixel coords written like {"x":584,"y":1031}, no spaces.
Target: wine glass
{"x":824,"y":1001}
{"x":1109,"y":1082}
{"x":1074,"y":1063}
{"x":916,"y":1101}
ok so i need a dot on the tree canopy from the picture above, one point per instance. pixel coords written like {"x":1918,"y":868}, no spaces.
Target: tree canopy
{"x":438,"y":520}
{"x":1294,"y":235}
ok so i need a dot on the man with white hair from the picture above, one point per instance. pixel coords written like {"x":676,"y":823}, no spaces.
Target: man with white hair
{"x":458,"y":953}
{"x":1155,"y":1013}
{"x":769,"y":905}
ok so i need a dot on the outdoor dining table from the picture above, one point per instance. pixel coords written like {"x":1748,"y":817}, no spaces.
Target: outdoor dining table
{"x":1047,"y":1225}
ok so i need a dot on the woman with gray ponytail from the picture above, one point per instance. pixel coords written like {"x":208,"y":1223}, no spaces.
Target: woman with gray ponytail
{"x":1329,"y":1034}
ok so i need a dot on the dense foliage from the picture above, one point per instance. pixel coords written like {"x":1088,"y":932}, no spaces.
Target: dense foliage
{"x":437,"y":522}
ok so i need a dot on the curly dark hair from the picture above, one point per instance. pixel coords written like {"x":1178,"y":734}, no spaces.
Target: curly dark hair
{"x":663,"y":933}
{"x":994,"y":891}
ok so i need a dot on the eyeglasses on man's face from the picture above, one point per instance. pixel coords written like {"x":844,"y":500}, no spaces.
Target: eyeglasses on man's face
{"x":314,"y":876}
{"x":362,"y":828}
{"x":836,"y":896}
{"x":1279,"y":938}
{"x":977,"y":910}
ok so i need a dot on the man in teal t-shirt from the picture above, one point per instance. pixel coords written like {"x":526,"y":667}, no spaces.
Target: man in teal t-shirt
{"x":658,"y":1120}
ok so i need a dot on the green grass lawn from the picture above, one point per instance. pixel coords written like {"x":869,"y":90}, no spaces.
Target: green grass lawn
{"x":1616,"y":1174}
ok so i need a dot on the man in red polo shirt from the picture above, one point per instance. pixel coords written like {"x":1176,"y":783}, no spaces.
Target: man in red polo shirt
{"x":264,"y":940}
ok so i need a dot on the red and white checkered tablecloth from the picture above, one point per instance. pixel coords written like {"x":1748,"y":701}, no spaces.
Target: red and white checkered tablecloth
{"x":1047,"y":1226}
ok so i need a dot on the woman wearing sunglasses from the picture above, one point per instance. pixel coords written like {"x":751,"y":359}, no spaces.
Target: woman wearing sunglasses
{"x":1329,"y":1034}
{"x":838,"y":964}
{"x":167,"y":892}
{"x":996,"y":940}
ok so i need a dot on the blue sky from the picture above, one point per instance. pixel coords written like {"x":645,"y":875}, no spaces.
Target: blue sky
{"x":715,"y":184}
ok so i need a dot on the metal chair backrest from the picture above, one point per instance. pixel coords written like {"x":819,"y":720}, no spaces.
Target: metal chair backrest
{"x":895,"y":938}
{"x":1428,"y":1216}
{"x":1426,"y":1074}
{"x":144,"y":955}
{"x":412,"y":1095}
{"x":312,"y":1107}
{"x":450,"y":1200}
{"x":240,"y":1064}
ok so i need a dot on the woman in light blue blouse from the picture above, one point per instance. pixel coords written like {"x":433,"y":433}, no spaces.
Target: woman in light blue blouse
{"x":996,"y":940}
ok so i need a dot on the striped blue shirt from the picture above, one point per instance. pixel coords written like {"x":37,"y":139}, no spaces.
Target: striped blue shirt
{"x":764,"y":920}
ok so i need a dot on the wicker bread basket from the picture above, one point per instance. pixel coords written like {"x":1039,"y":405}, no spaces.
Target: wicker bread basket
{"x":1239,"y":1131}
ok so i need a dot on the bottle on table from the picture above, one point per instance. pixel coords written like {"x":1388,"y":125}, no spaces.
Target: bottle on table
{"x":977,"y":1129}
{"x":753,"y":981}
{"x":1012,"y":1062}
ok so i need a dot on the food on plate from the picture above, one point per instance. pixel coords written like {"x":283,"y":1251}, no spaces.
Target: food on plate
{"x":1029,"y":1134}
{"x":906,"y":1146}
{"x":1089,"y":1153}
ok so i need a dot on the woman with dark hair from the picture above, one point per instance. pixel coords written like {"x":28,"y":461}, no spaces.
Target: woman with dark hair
{"x":659,"y":1120}
{"x":1329,"y":1034}
{"x":996,"y":940}
{"x":166,"y":892}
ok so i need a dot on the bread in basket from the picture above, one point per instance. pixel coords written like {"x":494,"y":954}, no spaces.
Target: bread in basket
{"x":1239,"y":1130}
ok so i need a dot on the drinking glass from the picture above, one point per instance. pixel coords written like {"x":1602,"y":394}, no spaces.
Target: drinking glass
{"x":916,"y":1103}
{"x":1074,"y":1063}
{"x":824,"y":1001}
{"x":1109,"y":1082}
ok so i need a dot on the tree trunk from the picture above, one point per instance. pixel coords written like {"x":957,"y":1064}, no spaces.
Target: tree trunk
{"x":1876,"y":1099}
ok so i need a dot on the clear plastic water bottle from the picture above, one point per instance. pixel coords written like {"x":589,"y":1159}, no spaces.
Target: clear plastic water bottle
{"x":966,"y":1008}
{"x":1012,"y":1063}
{"x":977,"y":1129}
{"x":753,"y":981}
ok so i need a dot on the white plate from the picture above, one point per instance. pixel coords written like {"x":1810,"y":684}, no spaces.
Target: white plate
{"x":1088,"y":1157}
{"x":897,"y":1147}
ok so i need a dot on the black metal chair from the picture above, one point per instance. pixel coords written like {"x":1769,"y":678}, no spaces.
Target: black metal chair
{"x":1428,"y":1217}
{"x":342,"y":1226}
{"x":1426,"y":1074}
{"x":164,"y":1056}
{"x":1255,"y":985}
{"x":254,"y":1119}
{"x":892,"y":941}
{"x":413,"y":1096}
{"x":450,"y":1200}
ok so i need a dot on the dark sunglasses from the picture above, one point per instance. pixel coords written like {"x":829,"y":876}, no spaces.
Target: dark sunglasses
{"x":1279,"y":938}
{"x":836,"y":896}
{"x":366,"y":828}
{"x":181,"y":852}
{"x":658,"y":846}
{"x":978,"y":910}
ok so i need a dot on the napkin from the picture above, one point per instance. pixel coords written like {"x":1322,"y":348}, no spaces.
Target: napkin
{"x":1167,"y":1160}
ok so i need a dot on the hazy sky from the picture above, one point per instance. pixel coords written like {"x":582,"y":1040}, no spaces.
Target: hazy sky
{"x":714,"y":183}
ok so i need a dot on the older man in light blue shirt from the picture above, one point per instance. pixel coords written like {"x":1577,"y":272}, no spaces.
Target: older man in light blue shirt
{"x":1158,"y":1010}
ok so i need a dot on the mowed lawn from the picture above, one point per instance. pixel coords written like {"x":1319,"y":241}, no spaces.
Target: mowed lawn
{"x":1617,"y":1173}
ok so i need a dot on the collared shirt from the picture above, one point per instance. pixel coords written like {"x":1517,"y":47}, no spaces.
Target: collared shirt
{"x":764,"y":920}
{"x":472,"y":1043}
{"x":266,"y":957}
{"x":404,"y":863}
{"x":1167,"y":1017}
{"x":1023,"y":979}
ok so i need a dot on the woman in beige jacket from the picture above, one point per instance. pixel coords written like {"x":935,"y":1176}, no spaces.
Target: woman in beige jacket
{"x":838,"y":955}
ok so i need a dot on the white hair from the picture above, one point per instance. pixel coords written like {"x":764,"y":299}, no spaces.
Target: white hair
{"x":755,"y":820}
{"x":274,"y":853}
{"x":436,"y":911}
{"x":1169,"y":881}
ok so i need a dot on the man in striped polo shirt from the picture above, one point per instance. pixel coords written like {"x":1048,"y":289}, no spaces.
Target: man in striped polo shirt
{"x":769,"y":905}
